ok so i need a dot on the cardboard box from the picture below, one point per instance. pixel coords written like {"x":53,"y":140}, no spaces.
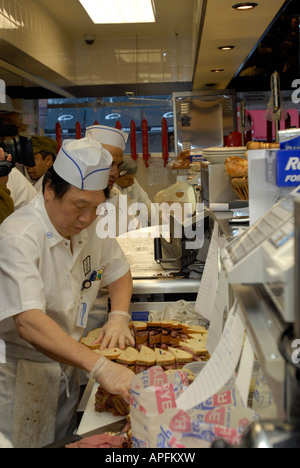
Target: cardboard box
{"x":283,"y":167}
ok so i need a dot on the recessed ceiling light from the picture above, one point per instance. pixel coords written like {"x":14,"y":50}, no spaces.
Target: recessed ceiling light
{"x":120,"y":11}
{"x":217,"y":70}
{"x":245,"y":6}
{"x":229,"y":47}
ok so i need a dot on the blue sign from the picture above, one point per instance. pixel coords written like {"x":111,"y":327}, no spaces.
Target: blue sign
{"x":283,"y":168}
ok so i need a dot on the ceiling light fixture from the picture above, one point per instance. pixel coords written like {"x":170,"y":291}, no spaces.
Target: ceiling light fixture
{"x":245,"y":6}
{"x":224,"y":48}
{"x":217,"y":70}
{"x":120,"y":11}
{"x":8,"y":21}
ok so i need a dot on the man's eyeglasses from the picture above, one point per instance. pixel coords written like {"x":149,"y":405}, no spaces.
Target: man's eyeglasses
{"x":122,"y":172}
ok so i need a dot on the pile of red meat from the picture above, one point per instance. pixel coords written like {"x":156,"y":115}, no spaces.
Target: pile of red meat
{"x":101,"y":441}
{"x":111,"y":403}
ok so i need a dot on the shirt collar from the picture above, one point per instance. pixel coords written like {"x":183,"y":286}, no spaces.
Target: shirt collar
{"x":52,"y":234}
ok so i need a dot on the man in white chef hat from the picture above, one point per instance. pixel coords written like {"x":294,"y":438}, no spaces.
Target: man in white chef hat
{"x":114,"y":140}
{"x":52,"y":264}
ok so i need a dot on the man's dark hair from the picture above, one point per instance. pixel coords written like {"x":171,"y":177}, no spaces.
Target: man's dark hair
{"x":59,"y":185}
{"x":44,"y":154}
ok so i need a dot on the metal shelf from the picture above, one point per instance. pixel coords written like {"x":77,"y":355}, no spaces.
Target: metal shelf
{"x":265,"y":326}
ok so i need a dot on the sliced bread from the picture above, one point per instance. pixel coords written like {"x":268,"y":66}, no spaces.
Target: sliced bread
{"x":137,"y":325}
{"x":180,"y":355}
{"x":197,"y":336}
{"x":196,"y":329}
{"x":199,"y":343}
{"x":164,"y":357}
{"x":128,"y":356}
{"x":90,"y":339}
{"x":111,"y":354}
{"x":196,"y":348}
{"x":146,"y":357}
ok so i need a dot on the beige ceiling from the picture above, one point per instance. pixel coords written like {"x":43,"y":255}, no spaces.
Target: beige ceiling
{"x":225,"y":26}
{"x":210,"y":23}
{"x":172,"y":16}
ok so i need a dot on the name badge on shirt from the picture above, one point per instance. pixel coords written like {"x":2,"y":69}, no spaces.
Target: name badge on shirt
{"x":85,"y":298}
{"x":82,"y":316}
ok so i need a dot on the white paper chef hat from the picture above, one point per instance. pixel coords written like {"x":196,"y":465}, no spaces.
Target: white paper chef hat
{"x":84,"y":163}
{"x":107,"y":135}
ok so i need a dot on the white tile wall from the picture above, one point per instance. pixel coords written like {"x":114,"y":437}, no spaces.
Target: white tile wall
{"x":142,"y":60}
{"x":38,"y":35}
{"x":111,"y":61}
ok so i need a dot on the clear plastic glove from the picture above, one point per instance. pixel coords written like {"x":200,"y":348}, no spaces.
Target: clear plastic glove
{"x":115,"y":332}
{"x":114,"y":378}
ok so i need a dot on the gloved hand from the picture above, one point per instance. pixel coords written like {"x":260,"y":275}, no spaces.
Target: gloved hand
{"x":115,"y":332}
{"x":114,"y":378}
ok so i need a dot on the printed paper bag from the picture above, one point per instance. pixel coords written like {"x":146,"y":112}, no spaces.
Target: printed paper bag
{"x":153,"y":400}
{"x":222,"y":416}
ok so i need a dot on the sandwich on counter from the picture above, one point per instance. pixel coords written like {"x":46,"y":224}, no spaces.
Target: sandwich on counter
{"x":167,"y":343}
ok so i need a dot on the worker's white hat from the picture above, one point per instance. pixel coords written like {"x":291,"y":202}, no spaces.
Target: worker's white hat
{"x":84,"y":163}
{"x":107,"y":135}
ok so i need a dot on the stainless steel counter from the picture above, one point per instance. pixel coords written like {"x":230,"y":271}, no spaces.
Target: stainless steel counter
{"x":263,"y":322}
{"x":225,"y":228}
{"x":265,"y":326}
{"x":165,"y":286}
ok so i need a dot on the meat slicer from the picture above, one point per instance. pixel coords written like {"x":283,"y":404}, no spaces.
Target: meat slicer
{"x":188,"y":242}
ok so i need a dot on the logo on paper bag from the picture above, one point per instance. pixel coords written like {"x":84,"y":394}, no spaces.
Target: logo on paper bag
{"x":216,"y":416}
{"x":165,"y":398}
{"x":181,"y":422}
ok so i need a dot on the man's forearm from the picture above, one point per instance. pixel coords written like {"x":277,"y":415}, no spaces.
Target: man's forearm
{"x":45,"y":335}
{"x":120,"y":292}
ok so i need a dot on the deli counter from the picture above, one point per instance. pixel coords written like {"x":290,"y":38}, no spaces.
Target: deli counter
{"x":247,"y":310}
{"x":244,"y":286}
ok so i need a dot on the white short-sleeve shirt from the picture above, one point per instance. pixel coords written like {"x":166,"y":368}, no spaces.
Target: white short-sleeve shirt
{"x":136,"y":194}
{"x":22,"y":191}
{"x":39,"y":271}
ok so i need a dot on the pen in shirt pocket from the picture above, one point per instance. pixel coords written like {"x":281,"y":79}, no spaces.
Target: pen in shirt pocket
{"x":96,"y":275}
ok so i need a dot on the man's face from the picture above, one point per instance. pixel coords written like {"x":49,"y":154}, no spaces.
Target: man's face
{"x":117,"y":155}
{"x":41,"y":166}
{"x":75,"y":211}
{"x":126,"y":180}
